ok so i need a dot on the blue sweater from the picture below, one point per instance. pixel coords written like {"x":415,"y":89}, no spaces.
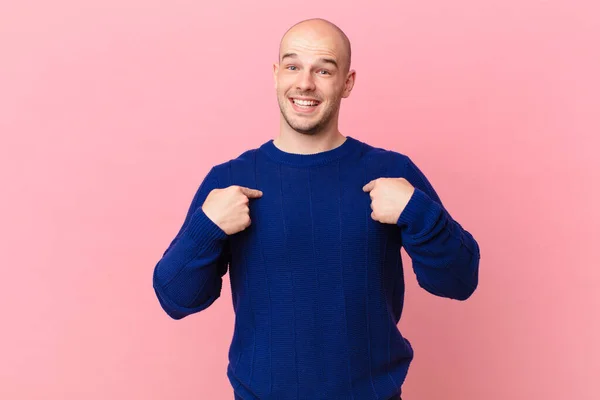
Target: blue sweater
{"x":317,"y":285}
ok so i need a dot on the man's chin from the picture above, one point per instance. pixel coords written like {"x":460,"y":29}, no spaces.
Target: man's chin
{"x":307,"y":130}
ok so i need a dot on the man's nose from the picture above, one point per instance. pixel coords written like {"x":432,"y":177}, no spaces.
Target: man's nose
{"x":305,"y":81}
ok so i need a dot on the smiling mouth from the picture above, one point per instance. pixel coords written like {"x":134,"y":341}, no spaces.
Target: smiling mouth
{"x":304,"y":106}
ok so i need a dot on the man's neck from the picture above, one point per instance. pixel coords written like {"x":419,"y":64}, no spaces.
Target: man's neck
{"x":299,"y":143}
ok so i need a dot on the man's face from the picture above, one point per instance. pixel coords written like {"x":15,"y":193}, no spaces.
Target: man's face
{"x":311,"y":67}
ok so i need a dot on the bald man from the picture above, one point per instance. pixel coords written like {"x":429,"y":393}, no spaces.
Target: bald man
{"x":310,"y":225}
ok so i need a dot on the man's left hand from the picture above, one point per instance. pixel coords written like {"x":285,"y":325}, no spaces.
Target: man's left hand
{"x":389,"y":197}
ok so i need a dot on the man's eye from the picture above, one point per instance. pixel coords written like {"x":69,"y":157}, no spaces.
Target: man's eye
{"x":327,"y":72}
{"x":291,"y":66}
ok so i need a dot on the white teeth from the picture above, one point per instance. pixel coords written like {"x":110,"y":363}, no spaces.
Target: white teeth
{"x":305,"y":102}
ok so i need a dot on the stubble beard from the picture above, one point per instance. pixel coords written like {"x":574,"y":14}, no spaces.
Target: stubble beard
{"x":312,"y":128}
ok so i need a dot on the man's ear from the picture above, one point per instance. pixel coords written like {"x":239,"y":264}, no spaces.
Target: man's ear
{"x":349,"y":84}
{"x":275,"y":71}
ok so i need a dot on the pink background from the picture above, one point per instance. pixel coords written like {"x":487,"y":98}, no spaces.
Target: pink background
{"x":112,"y":112}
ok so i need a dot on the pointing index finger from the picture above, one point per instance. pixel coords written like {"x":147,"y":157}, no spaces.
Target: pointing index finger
{"x":369,"y":186}
{"x":251,"y":193}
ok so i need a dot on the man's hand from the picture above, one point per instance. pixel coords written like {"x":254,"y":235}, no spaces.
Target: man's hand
{"x":228,"y":208}
{"x":389,"y":197}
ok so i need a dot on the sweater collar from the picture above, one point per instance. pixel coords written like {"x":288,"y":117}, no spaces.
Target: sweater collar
{"x":305,"y":160}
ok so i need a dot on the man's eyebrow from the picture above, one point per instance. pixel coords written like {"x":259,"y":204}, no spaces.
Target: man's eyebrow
{"x":322,"y":59}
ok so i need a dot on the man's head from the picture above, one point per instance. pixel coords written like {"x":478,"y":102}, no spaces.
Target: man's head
{"x":314,"y":63}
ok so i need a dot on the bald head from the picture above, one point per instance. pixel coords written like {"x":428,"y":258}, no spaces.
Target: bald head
{"x":315,"y":30}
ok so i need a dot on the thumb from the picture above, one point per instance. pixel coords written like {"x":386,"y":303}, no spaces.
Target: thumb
{"x":251,"y":193}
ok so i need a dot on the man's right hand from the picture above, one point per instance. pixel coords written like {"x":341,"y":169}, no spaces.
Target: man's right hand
{"x":228,"y":207}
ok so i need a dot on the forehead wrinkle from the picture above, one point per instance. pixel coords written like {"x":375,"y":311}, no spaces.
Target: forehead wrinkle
{"x":319,"y":51}
{"x":320,"y":60}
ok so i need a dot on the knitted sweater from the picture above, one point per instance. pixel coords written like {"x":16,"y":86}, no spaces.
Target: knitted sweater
{"x":317,"y":285}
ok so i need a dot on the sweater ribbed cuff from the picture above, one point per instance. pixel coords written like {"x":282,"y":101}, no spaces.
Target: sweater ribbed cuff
{"x":420,"y":214}
{"x":203,"y":230}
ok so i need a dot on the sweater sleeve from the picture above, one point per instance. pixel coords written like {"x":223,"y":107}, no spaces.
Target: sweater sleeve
{"x":189,"y":276}
{"x":445,"y":256}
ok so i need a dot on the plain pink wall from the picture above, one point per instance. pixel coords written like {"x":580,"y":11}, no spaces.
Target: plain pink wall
{"x":112,"y":112}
